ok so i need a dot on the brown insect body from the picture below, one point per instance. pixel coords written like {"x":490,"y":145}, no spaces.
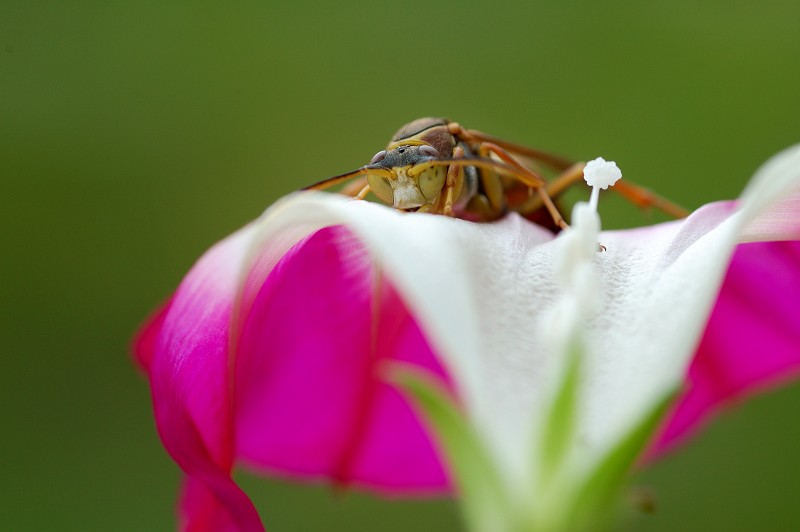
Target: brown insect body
{"x":432,"y":132}
{"x":434,"y":165}
{"x":482,"y":194}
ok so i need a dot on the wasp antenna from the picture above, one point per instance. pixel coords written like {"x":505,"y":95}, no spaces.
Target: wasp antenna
{"x":335,"y":180}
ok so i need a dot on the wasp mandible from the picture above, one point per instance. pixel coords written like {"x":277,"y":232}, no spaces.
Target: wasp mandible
{"x":436,"y":166}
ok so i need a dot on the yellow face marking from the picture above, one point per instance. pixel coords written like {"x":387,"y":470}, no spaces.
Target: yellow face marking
{"x":431,"y":181}
{"x":407,"y":194}
{"x":379,"y":184}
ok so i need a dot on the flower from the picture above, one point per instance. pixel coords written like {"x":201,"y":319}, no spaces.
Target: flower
{"x":283,"y":347}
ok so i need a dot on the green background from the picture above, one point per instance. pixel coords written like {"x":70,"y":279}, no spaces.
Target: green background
{"x":135,"y":134}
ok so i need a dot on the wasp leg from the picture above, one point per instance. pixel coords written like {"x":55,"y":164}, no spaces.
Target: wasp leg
{"x":488,"y":147}
{"x":480,"y":206}
{"x":455,"y":177}
{"x":492,"y":185}
{"x":363,"y":193}
{"x":645,"y":199}
{"x":354,"y":188}
{"x":518,"y":172}
{"x":472,"y":135}
{"x":639,"y":196}
{"x":357,"y":189}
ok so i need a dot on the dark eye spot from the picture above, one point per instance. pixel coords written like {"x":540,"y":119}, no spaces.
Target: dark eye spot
{"x":401,"y":150}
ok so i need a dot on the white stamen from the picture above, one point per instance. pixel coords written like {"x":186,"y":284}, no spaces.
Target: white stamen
{"x":598,"y":174}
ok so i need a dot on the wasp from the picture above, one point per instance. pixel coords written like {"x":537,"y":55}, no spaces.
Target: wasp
{"x":437,"y":166}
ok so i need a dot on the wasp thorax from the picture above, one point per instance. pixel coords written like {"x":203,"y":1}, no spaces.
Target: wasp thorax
{"x":406,"y":189}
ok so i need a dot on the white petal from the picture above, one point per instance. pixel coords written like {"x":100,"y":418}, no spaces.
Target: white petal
{"x":483,"y":294}
{"x":662,"y":286}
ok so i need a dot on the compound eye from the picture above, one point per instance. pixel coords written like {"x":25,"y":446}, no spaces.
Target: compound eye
{"x":381,"y":187}
{"x":378,"y":157}
{"x":430,"y":151}
{"x":431,"y":182}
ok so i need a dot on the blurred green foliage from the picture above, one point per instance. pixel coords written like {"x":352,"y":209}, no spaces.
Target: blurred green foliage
{"x":135,"y":134}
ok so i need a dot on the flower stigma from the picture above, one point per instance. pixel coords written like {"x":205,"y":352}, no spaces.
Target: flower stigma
{"x":576,"y":250}
{"x":598,"y":174}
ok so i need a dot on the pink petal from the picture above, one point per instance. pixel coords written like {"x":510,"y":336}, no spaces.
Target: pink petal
{"x":751,"y":342}
{"x":185,"y":351}
{"x":146,"y":340}
{"x":312,"y":401}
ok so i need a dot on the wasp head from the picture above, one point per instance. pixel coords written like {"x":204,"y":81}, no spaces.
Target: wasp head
{"x":400,"y":188}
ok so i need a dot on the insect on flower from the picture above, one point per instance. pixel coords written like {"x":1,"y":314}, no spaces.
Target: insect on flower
{"x":237,"y":379}
{"x":434,"y":165}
